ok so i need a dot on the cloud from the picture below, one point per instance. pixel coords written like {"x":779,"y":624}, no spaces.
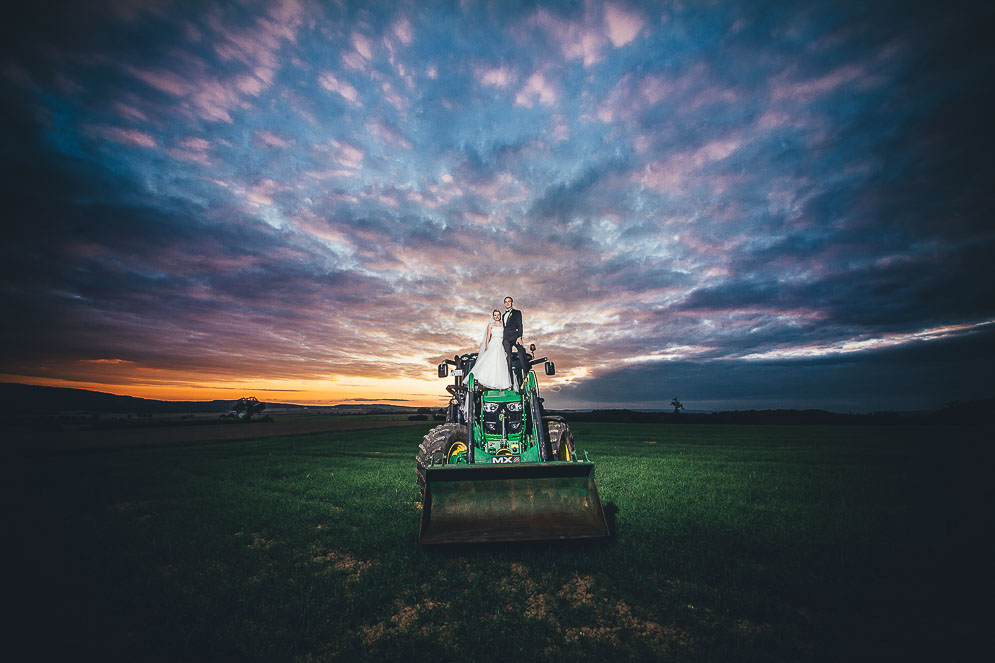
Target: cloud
{"x":328,"y":81}
{"x":388,"y":134}
{"x":348,"y":155}
{"x":165,"y":81}
{"x":677,"y":172}
{"x":623,"y":26}
{"x":500,"y":77}
{"x":581,"y":39}
{"x":919,"y":376}
{"x":586,"y":37}
{"x":536,"y":89}
{"x":805,"y":91}
{"x":124,"y":136}
{"x":270,"y":139}
{"x":403,"y":31}
{"x":362,"y":45}
{"x":748,"y":201}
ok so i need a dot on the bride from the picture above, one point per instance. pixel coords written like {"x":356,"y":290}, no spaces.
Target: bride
{"x":491,"y":368}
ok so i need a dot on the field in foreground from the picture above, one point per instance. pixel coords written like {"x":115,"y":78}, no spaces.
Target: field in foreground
{"x":732,"y":544}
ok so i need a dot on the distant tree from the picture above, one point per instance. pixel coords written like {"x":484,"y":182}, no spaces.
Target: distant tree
{"x":677,"y":405}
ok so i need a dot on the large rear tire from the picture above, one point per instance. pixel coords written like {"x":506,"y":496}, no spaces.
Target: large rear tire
{"x":561,"y":441}
{"x":443,"y":445}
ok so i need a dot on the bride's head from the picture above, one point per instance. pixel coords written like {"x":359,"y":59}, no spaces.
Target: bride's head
{"x":496,"y":314}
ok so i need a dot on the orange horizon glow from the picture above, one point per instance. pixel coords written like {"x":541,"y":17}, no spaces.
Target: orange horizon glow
{"x":359,"y":390}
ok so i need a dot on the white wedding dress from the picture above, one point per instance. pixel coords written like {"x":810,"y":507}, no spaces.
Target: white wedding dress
{"x":491,"y":367}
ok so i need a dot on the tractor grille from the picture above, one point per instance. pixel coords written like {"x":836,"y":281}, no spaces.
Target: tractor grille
{"x":512,"y":413}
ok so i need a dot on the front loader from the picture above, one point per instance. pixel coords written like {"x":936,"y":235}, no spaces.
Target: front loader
{"x":499,"y":469}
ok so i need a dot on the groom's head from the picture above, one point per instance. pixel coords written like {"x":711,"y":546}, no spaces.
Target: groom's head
{"x":508,"y":301}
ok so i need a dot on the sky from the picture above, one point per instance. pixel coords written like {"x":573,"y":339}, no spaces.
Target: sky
{"x":739,"y":204}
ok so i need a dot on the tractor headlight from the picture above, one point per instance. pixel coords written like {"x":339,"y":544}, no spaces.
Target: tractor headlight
{"x":491,"y":407}
{"x":514,"y":407}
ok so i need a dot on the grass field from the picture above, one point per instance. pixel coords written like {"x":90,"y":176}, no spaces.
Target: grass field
{"x":752,"y":543}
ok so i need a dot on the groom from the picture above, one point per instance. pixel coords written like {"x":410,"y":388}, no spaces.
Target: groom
{"x":513,"y":331}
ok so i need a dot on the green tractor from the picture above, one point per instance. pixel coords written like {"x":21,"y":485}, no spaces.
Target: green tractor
{"x":499,"y":469}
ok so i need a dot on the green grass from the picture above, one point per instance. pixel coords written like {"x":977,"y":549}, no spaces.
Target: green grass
{"x":733,"y":543}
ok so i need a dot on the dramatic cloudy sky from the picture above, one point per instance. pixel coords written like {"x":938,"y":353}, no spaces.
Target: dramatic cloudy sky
{"x":742,"y":204}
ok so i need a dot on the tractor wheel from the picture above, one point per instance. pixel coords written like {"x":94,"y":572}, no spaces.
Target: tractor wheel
{"x":561,"y":441}
{"x":444,"y":445}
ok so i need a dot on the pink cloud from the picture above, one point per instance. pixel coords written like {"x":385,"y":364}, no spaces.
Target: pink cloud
{"x":332,"y":174}
{"x":328,"y":81}
{"x":622,"y":26}
{"x":445,"y":192}
{"x":477,"y":218}
{"x":631,"y":96}
{"x":387,"y":135}
{"x":402,"y":30}
{"x":422,"y":199}
{"x":271,"y":139}
{"x":348,"y":155}
{"x":287,"y":12}
{"x":214,"y":99}
{"x":536,"y":89}
{"x":561,"y":132}
{"x":774,"y":120}
{"x":362,"y":45}
{"x":354,"y":60}
{"x":262,"y":192}
{"x":195,"y":143}
{"x":662,"y":176}
{"x":803,"y":91}
{"x":310,"y":223}
{"x":249,"y":84}
{"x":256,"y":46}
{"x":576,"y":39}
{"x":716,"y":150}
{"x":711,"y":96}
{"x":503,"y":188}
{"x":192,"y":156}
{"x":164,"y":81}
{"x":130,"y":112}
{"x":192,"y":149}
{"x":673,"y":174}
{"x":587,"y":37}
{"x":392,"y":97}
{"x":124,"y":136}
{"x":498,"y":77}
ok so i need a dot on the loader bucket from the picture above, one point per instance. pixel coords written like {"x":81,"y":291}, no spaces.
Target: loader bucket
{"x":527,"y":502}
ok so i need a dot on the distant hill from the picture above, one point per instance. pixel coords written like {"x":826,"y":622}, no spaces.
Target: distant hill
{"x":32,"y":399}
{"x":977,"y":413}
{"x":374,"y":408}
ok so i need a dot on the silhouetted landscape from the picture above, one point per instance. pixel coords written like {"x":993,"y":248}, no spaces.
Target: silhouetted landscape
{"x":22,"y":399}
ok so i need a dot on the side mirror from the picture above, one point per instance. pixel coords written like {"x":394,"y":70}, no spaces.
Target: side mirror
{"x":550,"y":368}
{"x":532,"y":348}
{"x":443,"y":370}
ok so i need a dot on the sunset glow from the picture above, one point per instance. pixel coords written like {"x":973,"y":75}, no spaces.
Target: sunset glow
{"x":741,"y":204}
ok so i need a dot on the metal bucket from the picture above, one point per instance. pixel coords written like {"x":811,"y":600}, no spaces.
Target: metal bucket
{"x":528,"y":502}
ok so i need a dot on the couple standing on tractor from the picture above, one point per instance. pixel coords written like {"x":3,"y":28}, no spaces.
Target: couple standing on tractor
{"x":500,"y":468}
{"x":493,"y":368}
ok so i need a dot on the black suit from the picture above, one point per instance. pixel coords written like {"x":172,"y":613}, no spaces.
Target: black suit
{"x":513,"y":330}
